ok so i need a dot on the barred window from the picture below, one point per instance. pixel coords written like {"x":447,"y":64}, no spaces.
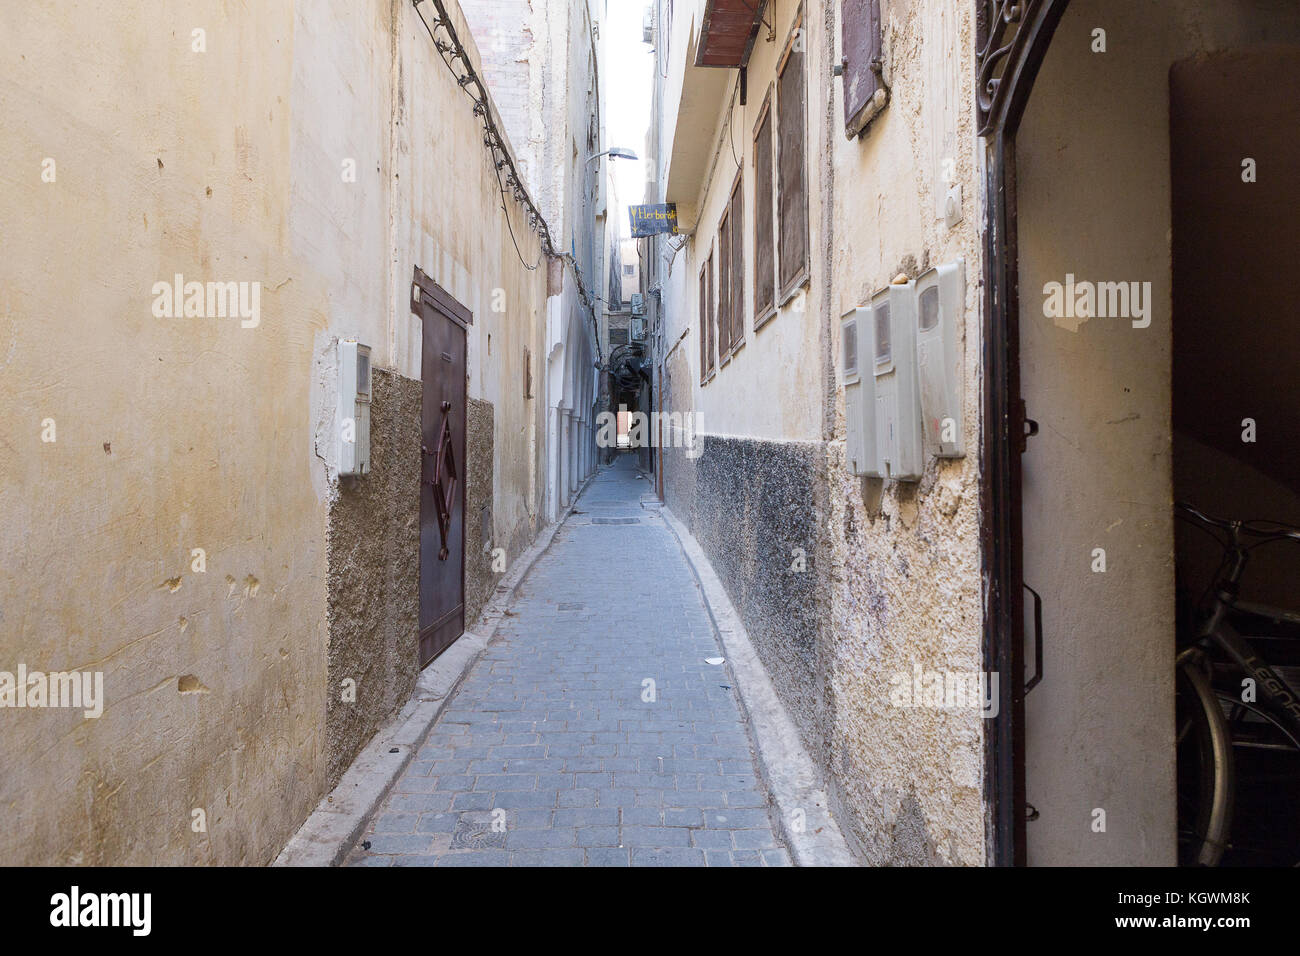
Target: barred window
{"x":764,"y":250}
{"x":736,"y":218}
{"x":792,"y":185}
{"x":706,"y":319}
{"x":724,"y":285}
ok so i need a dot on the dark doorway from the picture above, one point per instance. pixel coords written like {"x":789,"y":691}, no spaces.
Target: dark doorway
{"x":442,"y":472}
{"x":1234,"y":117}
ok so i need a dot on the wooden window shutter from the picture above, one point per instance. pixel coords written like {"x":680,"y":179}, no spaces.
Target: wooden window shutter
{"x":737,"y":219}
{"x":865,"y":94}
{"x":706,"y":319}
{"x":764,"y":237}
{"x":704,"y":322}
{"x":724,"y":284}
{"x":712,"y":314}
{"x":792,"y":196}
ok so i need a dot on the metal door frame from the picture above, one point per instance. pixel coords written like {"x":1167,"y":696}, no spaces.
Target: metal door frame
{"x":1012,"y":38}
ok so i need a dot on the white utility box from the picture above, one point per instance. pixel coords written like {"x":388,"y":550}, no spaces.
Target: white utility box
{"x":941,"y":303}
{"x":857,"y":336}
{"x":898,"y":399}
{"x":354,"y":408}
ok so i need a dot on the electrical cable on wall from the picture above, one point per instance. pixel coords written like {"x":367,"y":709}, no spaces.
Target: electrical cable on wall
{"x":451,"y":50}
{"x":731,"y":113}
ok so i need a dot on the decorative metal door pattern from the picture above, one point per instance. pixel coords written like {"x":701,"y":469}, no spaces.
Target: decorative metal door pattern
{"x":444,"y":479}
{"x":442,"y":488}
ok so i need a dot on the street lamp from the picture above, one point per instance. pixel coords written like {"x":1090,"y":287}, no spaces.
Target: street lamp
{"x":618,"y":152}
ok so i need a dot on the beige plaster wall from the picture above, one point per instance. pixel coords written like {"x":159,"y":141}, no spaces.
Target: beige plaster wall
{"x":447,"y":220}
{"x":172,"y":434}
{"x":903,"y":557}
{"x":897,"y":565}
{"x":176,"y":434}
{"x":771,"y":388}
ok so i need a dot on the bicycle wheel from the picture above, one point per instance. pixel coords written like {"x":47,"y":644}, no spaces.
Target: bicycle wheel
{"x":1266,"y":779}
{"x":1205,"y":768}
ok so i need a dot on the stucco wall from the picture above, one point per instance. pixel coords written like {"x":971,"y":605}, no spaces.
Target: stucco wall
{"x":540,"y":60}
{"x":322,"y":150}
{"x":513,"y":58}
{"x":903,"y":562}
{"x":756,"y":492}
{"x":448,"y":221}
{"x":374,"y":576}
{"x":893,"y":578}
{"x":755,"y":516}
{"x":478,"y":475}
{"x":172,"y":434}
{"x":679,"y":470}
{"x":772,"y":388}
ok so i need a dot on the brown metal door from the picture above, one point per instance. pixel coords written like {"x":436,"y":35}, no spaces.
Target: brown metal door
{"x":442,"y":472}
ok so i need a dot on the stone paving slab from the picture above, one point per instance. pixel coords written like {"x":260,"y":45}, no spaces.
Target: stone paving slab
{"x":327,"y":836}
{"x":592,"y":731}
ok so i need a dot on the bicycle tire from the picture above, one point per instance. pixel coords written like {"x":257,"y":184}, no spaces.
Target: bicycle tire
{"x":1215,"y":773}
{"x":1276,"y":844}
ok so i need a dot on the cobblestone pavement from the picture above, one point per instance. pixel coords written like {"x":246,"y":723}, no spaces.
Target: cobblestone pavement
{"x":556,"y":749}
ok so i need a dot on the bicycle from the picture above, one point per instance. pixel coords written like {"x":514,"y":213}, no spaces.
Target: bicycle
{"x":1230,"y":698}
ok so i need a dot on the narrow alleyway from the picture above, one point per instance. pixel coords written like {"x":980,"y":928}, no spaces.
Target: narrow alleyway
{"x":558,"y":737}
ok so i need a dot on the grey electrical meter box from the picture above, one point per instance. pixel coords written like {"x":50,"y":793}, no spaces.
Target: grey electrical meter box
{"x":898,"y":400}
{"x":354,"y":408}
{"x":856,"y":338}
{"x":941,"y":298}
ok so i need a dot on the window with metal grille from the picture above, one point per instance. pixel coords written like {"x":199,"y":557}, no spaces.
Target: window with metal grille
{"x":706,"y":319}
{"x":792,"y":195}
{"x":736,"y":265}
{"x":764,"y":250}
{"x":724,"y":285}
{"x":713,"y":316}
